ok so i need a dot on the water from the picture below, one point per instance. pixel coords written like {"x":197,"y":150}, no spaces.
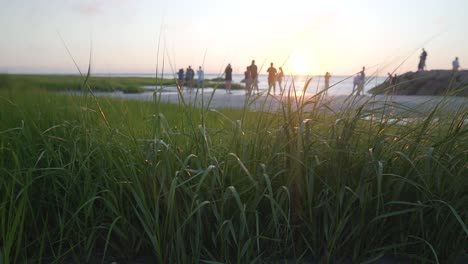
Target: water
{"x":340,"y":85}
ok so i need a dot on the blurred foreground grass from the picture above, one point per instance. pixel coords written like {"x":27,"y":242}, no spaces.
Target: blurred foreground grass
{"x":84,"y":178}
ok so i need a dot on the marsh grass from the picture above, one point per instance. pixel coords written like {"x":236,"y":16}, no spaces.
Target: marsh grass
{"x":86,"y":178}
{"x":75,"y":82}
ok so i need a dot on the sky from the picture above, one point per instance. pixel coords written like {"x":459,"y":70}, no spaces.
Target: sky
{"x":304,"y":36}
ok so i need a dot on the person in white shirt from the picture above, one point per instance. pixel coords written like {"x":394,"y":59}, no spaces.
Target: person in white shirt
{"x":356,"y":81}
{"x":201,"y":77}
{"x":455,"y":64}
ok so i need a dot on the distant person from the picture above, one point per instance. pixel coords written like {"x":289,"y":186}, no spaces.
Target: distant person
{"x":189,"y":74}
{"x":271,"y":78}
{"x":228,"y":78}
{"x":355,"y":83}
{"x":180,"y":78}
{"x":201,"y":77}
{"x":394,"y":79}
{"x":422,"y":61}
{"x":327,"y":83}
{"x":455,"y":64}
{"x":391,"y":79}
{"x":248,"y":81}
{"x":362,"y":81}
{"x":279,"y":79}
{"x":254,"y":76}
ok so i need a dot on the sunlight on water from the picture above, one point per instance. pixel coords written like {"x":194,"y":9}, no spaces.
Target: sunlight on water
{"x":339,"y":85}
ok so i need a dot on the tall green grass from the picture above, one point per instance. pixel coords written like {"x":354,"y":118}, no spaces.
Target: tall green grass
{"x":76,"y":82}
{"x":86,"y":179}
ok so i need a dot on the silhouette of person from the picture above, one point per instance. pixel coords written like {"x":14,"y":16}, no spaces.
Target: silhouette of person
{"x":355,"y":83}
{"x":394,"y":79}
{"x":189,"y":74}
{"x":248,"y":81}
{"x":455,"y":64}
{"x":422,"y":60}
{"x":180,"y":78}
{"x":362,"y":80}
{"x":390,"y":79}
{"x":254,"y":76}
{"x":279,"y":78}
{"x":271,"y":78}
{"x":327,"y":83}
{"x":201,"y":77}
{"x":228,"y":78}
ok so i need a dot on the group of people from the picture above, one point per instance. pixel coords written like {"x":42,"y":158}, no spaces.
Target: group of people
{"x":276,"y":76}
{"x":422,"y":62}
{"x":187,"y":79}
{"x":273,"y":77}
{"x":251,"y":78}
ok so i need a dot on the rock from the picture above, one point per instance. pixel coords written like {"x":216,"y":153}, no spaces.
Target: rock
{"x":435,"y":82}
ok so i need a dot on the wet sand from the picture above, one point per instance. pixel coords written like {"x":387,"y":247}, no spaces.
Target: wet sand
{"x":238,"y":99}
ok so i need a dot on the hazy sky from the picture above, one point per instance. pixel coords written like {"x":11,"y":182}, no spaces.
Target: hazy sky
{"x":306,"y":36}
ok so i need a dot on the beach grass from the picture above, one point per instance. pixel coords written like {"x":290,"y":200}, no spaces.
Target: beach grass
{"x":87,"y":179}
{"x":76,"y":82}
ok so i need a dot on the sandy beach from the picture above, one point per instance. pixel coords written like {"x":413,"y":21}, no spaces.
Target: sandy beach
{"x":263,"y":101}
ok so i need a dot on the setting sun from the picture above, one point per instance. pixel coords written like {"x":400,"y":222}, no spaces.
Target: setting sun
{"x":304,"y":65}
{"x":299,"y":66}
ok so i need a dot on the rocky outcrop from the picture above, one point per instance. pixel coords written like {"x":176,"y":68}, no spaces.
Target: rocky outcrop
{"x":435,"y":82}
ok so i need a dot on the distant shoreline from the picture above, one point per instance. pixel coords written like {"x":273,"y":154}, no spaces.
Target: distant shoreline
{"x":335,"y":103}
{"x":339,"y":85}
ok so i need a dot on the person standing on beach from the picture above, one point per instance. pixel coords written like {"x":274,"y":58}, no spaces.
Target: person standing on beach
{"x":422,"y":60}
{"x":356,"y":81}
{"x":362,"y":81}
{"x":228,"y":78}
{"x":271,"y":78}
{"x":279,"y":78}
{"x":254,"y":75}
{"x":390,"y":78}
{"x":248,"y":81}
{"x":327,"y":82}
{"x":394,"y":79}
{"x":201,"y":77}
{"x":455,"y":64}
{"x":180,"y":78}
{"x":189,"y":77}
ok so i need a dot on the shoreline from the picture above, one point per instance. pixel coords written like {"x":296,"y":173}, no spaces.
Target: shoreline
{"x":238,"y":99}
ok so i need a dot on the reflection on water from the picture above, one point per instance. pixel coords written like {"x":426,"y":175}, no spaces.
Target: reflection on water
{"x":339,"y":85}
{"x":336,"y":99}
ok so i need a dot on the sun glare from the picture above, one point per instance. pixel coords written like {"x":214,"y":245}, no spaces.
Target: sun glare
{"x":304,"y":65}
{"x":300,"y":66}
